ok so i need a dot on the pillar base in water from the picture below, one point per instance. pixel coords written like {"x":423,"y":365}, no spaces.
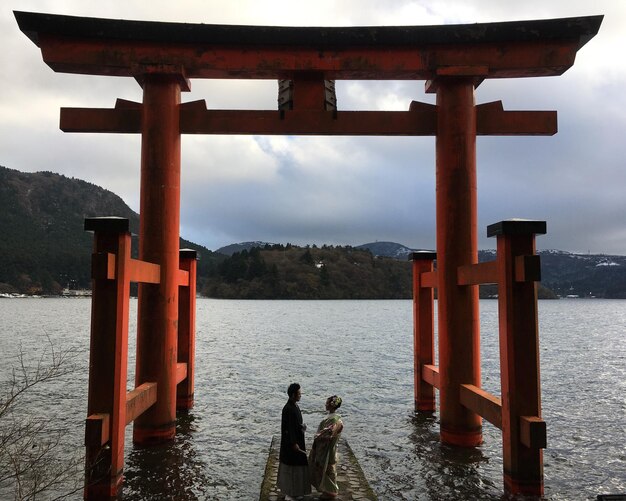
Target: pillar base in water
{"x":461,"y":438}
{"x":109,"y":488}
{"x":184,"y":403}
{"x":153,"y":436}
{"x":425,"y":406}
{"x":525,"y":488}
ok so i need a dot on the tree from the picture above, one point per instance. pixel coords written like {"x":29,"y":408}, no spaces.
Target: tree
{"x":307,"y":258}
{"x":29,"y":463}
{"x":256,"y":266}
{"x":324,"y":276}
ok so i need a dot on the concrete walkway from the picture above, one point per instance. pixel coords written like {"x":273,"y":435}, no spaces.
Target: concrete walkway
{"x":353,"y":485}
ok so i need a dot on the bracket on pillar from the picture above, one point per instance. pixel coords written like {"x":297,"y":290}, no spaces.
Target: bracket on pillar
{"x":474,"y":73}
{"x":140,"y":71}
{"x":307,"y":91}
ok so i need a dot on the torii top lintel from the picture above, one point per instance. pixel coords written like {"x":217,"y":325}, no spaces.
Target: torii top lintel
{"x":485,"y":50}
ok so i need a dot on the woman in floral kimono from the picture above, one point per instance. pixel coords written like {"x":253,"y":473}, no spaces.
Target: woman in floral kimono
{"x":323,"y":456}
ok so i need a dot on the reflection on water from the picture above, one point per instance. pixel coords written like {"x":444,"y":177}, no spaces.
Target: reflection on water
{"x":449,"y":472}
{"x":249,"y":351}
{"x":172,"y":471}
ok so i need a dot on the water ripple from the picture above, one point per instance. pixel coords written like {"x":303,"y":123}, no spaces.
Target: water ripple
{"x":249,"y":351}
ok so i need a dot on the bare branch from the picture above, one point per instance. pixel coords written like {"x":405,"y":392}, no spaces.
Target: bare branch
{"x":29,"y":464}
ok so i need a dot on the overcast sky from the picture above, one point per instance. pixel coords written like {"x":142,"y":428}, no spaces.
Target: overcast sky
{"x":342,"y":190}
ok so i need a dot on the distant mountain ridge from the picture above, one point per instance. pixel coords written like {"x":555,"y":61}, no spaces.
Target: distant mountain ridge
{"x":229,"y":250}
{"x":384,"y":249}
{"x":566,"y":274}
{"x":388,"y":249}
{"x":584,"y":275}
{"x":43,"y":249}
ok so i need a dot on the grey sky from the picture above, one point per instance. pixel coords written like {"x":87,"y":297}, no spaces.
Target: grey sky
{"x":342,"y":190}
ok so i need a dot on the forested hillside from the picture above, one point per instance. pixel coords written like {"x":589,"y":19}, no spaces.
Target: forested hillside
{"x":44,"y":249}
{"x":43,"y":246}
{"x":290,"y":272}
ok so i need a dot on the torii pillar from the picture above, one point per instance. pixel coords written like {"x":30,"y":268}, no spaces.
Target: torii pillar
{"x":157,"y":330}
{"x":457,"y":245}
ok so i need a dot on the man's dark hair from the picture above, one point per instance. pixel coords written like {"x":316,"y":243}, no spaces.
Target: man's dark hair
{"x":293,"y":388}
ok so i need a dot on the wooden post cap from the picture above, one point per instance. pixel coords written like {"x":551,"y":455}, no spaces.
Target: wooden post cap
{"x":107,"y":224}
{"x":422,"y":256}
{"x":516,"y":227}
{"x":188,"y":254}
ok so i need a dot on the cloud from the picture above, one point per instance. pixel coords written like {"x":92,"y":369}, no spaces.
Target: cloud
{"x":342,"y":190}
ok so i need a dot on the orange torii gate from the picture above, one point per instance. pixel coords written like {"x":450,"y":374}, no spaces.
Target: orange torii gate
{"x":452,"y":59}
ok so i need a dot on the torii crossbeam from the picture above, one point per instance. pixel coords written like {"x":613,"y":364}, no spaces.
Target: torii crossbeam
{"x":452,"y":59}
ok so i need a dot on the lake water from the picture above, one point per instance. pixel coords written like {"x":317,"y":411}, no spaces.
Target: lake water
{"x":249,"y":351}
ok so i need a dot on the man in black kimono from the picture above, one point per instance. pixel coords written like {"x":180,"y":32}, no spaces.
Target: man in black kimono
{"x":293,"y":469}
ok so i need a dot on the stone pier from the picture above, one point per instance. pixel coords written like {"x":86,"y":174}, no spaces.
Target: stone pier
{"x":353,"y":485}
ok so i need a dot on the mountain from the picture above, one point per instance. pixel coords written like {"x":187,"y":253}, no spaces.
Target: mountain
{"x":44,"y":247}
{"x":387,"y":249}
{"x":277,"y":271}
{"x":229,"y":250}
{"x":563,"y":273}
{"x":579,"y":275}
{"x":584,"y":275}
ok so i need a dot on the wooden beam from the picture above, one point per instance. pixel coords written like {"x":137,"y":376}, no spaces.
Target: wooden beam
{"x":482,"y":403}
{"x":429,"y":279}
{"x":139,"y":400}
{"x":197,"y":119}
{"x":97,"y":430}
{"x":478,"y":273}
{"x":115,"y":47}
{"x":420,"y":120}
{"x":528,"y":268}
{"x":492,"y":120}
{"x":533,"y":432}
{"x":144,"y":272}
{"x":423,"y":107}
{"x":181,"y":371}
{"x":125,"y":118}
{"x":126,"y":121}
{"x":504,"y":59}
{"x":194,"y":120}
{"x":183,"y":278}
{"x":103,"y":266}
{"x":430,"y":374}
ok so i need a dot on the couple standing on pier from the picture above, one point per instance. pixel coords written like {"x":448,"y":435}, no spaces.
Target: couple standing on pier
{"x":296,"y":472}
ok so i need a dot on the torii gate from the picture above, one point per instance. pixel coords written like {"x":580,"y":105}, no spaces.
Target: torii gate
{"x":453,"y":59}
